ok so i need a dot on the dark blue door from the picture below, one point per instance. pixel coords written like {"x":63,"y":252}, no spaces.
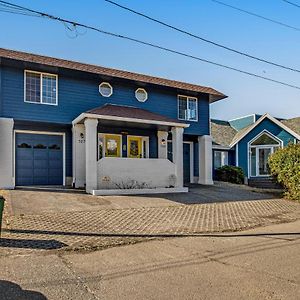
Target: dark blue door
{"x":39,"y":159}
{"x":186,"y":163}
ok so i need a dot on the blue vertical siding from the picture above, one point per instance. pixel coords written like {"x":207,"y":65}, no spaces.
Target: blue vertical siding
{"x":77,"y":95}
{"x":268,"y":125}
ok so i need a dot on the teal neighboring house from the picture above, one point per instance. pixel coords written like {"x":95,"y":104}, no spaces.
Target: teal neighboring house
{"x":248,"y":141}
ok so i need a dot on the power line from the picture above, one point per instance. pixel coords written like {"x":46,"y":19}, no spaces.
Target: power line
{"x":292,"y":3}
{"x":257,"y":15}
{"x":201,"y":38}
{"x":76,"y":24}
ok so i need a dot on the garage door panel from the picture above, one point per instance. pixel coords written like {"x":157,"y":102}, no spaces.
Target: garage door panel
{"x":39,"y":159}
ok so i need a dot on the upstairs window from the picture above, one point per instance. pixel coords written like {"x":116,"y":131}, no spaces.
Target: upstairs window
{"x":187,"y":108}
{"x":141,"y":95}
{"x":105,"y":89}
{"x":40,"y":88}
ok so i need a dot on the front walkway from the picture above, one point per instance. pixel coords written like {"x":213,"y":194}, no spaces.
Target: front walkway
{"x":103,"y":227}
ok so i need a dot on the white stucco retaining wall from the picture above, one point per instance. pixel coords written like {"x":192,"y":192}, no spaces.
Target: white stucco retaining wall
{"x":6,"y":153}
{"x":120,"y":173}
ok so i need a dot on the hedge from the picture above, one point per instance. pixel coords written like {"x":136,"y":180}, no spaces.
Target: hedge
{"x":285,"y":167}
{"x":230,"y":174}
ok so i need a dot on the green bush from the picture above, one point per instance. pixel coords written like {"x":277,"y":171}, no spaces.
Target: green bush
{"x":285,"y":167}
{"x":230,"y":174}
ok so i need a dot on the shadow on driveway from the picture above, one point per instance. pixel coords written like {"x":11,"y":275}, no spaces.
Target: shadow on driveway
{"x":12,"y":291}
{"x":31,"y":244}
{"x":218,"y":193}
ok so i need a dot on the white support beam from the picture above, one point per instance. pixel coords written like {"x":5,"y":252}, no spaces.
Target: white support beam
{"x":91,"y":154}
{"x":205,"y":159}
{"x":177,"y":143}
{"x":162,"y":141}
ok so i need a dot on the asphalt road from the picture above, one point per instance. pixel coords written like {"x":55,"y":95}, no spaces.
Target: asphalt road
{"x":263,"y":263}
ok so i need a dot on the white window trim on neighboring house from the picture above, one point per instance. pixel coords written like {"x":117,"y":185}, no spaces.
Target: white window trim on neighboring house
{"x":224,"y":158}
{"x":186,"y":112}
{"x":41,"y":88}
{"x":249,"y":146}
{"x":45,"y":133}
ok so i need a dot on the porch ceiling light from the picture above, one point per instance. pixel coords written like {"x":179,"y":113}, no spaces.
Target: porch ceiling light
{"x":141,"y":95}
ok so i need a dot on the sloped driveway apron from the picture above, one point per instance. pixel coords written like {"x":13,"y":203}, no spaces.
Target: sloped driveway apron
{"x":109,"y":227}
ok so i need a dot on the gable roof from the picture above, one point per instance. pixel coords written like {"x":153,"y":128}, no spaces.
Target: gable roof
{"x":222,"y":132}
{"x":129,"y":114}
{"x":241,"y":134}
{"x":62,"y":63}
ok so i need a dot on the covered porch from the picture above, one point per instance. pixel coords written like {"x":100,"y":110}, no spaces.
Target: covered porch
{"x":123,"y":150}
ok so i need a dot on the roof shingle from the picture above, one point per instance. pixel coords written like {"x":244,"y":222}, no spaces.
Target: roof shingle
{"x":62,"y":63}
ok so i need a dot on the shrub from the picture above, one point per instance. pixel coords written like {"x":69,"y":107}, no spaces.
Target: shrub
{"x":285,"y":167}
{"x":230,"y":174}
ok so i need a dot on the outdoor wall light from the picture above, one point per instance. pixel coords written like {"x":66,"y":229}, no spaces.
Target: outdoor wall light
{"x":163,"y":142}
{"x":81,"y":135}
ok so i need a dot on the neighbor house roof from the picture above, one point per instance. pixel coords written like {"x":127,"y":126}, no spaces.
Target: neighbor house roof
{"x":225,"y":135}
{"x":222,"y":132}
{"x":129,"y":114}
{"x":294,"y":124}
{"x":62,"y":63}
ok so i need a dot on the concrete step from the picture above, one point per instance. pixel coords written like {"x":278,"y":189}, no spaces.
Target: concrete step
{"x":264,"y":183}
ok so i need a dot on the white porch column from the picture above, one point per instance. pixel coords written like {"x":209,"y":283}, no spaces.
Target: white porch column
{"x":91,"y":154}
{"x":205,"y":159}
{"x":78,"y":134}
{"x":177,"y":144}
{"x":162,"y":140}
{"x":6,"y":153}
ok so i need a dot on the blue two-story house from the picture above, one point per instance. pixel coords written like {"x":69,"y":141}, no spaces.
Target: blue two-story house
{"x":69,"y":123}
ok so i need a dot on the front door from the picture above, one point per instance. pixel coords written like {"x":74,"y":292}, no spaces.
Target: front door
{"x":113,"y":145}
{"x":263,"y":155}
{"x":135,"y":147}
{"x":186,"y":163}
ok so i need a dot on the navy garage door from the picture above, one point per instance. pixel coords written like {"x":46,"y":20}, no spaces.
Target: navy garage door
{"x":39,"y":159}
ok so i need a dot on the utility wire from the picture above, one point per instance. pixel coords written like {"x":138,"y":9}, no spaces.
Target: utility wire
{"x":292,"y":3}
{"x":201,"y":38}
{"x":74,"y":24}
{"x":257,"y":15}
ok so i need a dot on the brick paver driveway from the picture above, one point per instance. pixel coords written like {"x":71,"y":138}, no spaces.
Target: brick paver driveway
{"x":106,"y":226}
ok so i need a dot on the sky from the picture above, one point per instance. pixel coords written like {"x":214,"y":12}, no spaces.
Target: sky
{"x":246,"y":95}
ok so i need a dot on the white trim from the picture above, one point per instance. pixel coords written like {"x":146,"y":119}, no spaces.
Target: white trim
{"x":187,"y":99}
{"x":216,"y":147}
{"x":249,"y":146}
{"x":243,"y":117}
{"x":41,"y":87}
{"x":63,"y":134}
{"x":280,"y":124}
{"x":139,"y":191}
{"x":104,"y":144}
{"x":141,"y":89}
{"x":111,"y":89}
{"x":133,"y":120}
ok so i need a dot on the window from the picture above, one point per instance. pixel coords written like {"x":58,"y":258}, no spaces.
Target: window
{"x":141,"y":95}
{"x":220,"y":159}
{"x":40,"y":88}
{"x":187,"y":108}
{"x":105,"y":89}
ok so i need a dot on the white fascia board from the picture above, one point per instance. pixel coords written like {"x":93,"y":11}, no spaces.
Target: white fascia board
{"x":281,"y":125}
{"x":133,"y":120}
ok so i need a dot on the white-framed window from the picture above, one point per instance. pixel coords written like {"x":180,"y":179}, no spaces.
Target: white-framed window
{"x":187,"y":108}
{"x":105,"y":89}
{"x":141,"y":95}
{"x":220,"y":159}
{"x":40,"y":88}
